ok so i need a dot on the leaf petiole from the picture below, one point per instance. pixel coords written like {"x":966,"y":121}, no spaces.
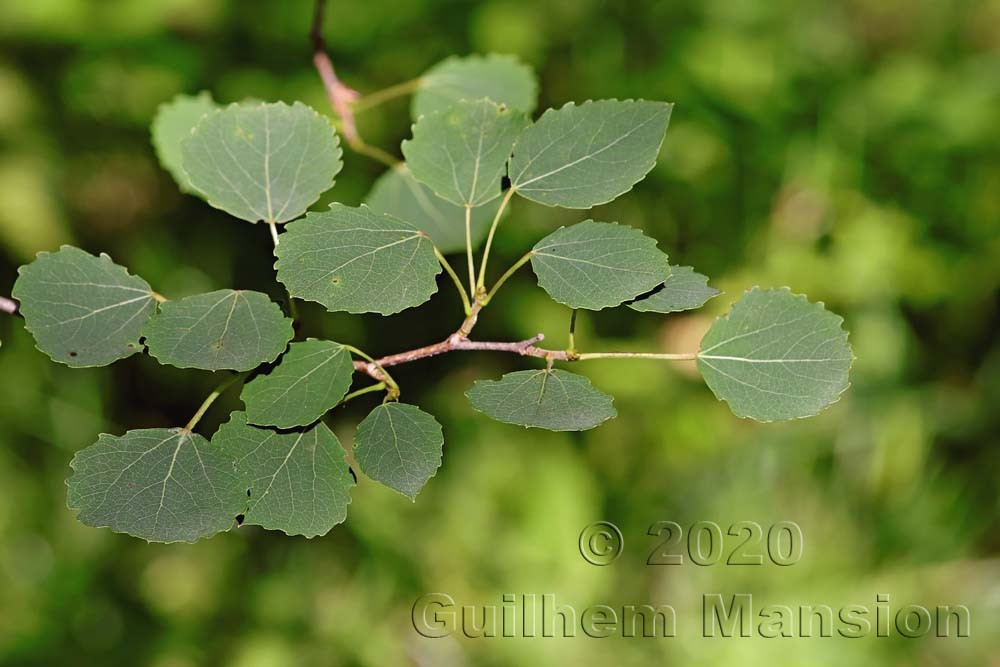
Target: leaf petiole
{"x":365,"y":390}
{"x":507,"y":274}
{"x":489,"y":238}
{"x":207,"y":403}
{"x":393,"y":387}
{"x":454,"y":277}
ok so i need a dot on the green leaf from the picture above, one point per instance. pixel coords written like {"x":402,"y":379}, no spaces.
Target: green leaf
{"x":227,"y":329}
{"x":582,"y":156}
{"x":555,"y":400}
{"x":311,"y":378}
{"x":502,"y":78}
{"x":400,"y":446}
{"x":398,"y":194}
{"x":162,"y":485}
{"x":685,"y":289}
{"x":265,"y":162}
{"x":82,"y":310}
{"x":597,"y":265}
{"x":357,"y":260}
{"x":296,"y":482}
{"x":461,"y":153}
{"x":173,"y":123}
{"x":776,"y":356}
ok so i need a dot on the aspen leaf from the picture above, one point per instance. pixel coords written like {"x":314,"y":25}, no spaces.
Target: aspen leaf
{"x":776,"y":356}
{"x":400,"y":446}
{"x":597,"y":265}
{"x":83,"y":310}
{"x":262,"y":162}
{"x":582,"y":156}
{"x":226,"y":329}
{"x":555,"y":400}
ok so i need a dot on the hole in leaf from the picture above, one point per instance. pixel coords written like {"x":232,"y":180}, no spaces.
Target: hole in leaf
{"x":353,"y":474}
{"x":240,"y":518}
{"x":504,"y":184}
{"x":248,"y":493}
{"x":72,"y":354}
{"x":335,"y":280}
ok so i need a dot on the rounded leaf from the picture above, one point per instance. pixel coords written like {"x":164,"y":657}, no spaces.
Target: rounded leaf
{"x":222,"y":330}
{"x":776,"y":356}
{"x":311,"y":378}
{"x":556,"y":400}
{"x":83,"y":310}
{"x":262,"y":162}
{"x":357,"y":260}
{"x":461,"y":153}
{"x":597,"y":265}
{"x":159,"y":484}
{"x":582,"y":156}
{"x":400,"y":446}
{"x":295,"y":481}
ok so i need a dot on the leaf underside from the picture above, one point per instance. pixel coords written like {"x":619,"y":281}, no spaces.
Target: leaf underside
{"x":398,"y":194}
{"x":161,"y":485}
{"x":582,"y":156}
{"x":311,"y":378}
{"x":597,"y":265}
{"x":296,"y":482}
{"x":83,"y":310}
{"x":461,"y":153}
{"x":173,"y":123}
{"x":685,"y":289}
{"x":501,"y":78}
{"x":356,"y":260}
{"x":776,"y":356}
{"x":262,"y":162}
{"x":400,"y":446}
{"x":222,"y":330}
{"x":555,"y":400}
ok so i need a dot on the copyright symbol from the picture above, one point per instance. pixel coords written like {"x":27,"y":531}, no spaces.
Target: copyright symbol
{"x":601,"y":543}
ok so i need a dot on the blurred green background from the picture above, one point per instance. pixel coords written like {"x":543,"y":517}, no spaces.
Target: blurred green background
{"x":846,"y":149}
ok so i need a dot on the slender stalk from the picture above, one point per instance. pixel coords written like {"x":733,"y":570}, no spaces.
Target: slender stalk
{"x":684,"y":356}
{"x":571,"y":348}
{"x":159,"y":298}
{"x":274,"y":233}
{"x":454,"y":277}
{"x":207,"y":403}
{"x":507,"y":274}
{"x":489,"y":238}
{"x":364,"y":390}
{"x":468,"y":249}
{"x":372,"y":100}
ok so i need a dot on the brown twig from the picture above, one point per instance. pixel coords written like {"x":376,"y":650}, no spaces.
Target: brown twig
{"x":342,"y":97}
{"x":8,"y":306}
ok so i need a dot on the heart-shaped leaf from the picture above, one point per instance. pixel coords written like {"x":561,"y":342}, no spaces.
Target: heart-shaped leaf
{"x":556,"y":400}
{"x":226,"y":329}
{"x":400,"y":446}
{"x":357,"y":260}
{"x":597,"y":265}
{"x":582,"y":156}
{"x":296,"y":481}
{"x":162,"y":485}
{"x":776,"y":356}
{"x":312,"y":377}
{"x":262,"y":162}
{"x":83,"y":310}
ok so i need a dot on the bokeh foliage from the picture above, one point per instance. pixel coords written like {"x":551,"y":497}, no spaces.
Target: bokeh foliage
{"x":845,"y":149}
